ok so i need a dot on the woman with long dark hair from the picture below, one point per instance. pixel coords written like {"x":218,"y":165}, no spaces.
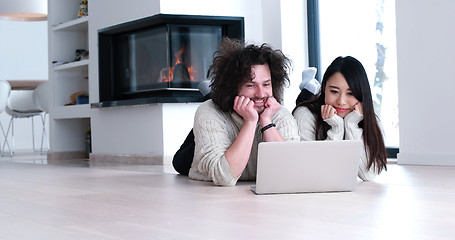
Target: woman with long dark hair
{"x":343,"y":110}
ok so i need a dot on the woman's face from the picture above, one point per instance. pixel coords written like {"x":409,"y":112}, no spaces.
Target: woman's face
{"x":339,"y":95}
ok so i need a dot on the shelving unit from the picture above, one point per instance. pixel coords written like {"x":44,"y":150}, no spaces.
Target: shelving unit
{"x":67,"y":33}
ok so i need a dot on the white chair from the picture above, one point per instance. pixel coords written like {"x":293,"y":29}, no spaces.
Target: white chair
{"x":5,"y":89}
{"x":20,"y":104}
{"x":41,"y":98}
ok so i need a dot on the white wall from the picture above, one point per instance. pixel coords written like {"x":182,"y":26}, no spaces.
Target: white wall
{"x":294,"y":35}
{"x":426,"y":82}
{"x":23,"y":56}
{"x":250,"y":10}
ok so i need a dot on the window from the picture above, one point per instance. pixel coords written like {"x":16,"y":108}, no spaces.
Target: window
{"x":366,"y":31}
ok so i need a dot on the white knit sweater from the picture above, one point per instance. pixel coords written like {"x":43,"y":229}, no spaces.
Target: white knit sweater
{"x":214,"y":133}
{"x":341,"y":129}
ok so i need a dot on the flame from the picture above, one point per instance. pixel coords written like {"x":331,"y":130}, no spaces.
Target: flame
{"x":165,"y":78}
{"x":191,"y":71}
{"x":178,"y":55}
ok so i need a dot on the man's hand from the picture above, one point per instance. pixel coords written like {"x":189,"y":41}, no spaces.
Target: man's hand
{"x":245,"y":108}
{"x":271,"y":107}
{"x":238,"y":153}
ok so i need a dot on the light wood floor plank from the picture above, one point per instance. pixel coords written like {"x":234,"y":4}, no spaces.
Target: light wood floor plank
{"x":40,"y":201}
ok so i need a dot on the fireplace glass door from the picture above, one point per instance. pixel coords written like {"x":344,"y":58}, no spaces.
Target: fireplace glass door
{"x":166,"y":57}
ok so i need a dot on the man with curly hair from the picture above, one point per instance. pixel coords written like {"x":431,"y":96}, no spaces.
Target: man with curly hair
{"x":247,"y":89}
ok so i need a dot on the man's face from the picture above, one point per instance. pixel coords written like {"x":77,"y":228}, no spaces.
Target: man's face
{"x":259,"y":88}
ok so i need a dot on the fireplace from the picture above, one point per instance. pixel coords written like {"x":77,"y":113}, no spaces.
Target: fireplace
{"x":161,"y":58}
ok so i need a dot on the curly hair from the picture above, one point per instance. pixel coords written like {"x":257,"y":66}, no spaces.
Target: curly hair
{"x":232,"y":65}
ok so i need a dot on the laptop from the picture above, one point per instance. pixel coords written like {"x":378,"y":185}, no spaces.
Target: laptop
{"x":307,"y":166}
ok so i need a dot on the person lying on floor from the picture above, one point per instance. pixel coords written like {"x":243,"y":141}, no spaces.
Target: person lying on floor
{"x":343,"y":110}
{"x":244,"y":110}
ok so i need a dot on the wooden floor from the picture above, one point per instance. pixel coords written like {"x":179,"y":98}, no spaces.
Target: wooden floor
{"x":40,"y":201}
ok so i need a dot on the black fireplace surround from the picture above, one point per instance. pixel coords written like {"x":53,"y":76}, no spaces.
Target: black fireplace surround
{"x":160,"y":59}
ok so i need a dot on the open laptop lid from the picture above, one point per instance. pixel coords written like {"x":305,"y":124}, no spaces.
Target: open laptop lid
{"x":307,"y":166}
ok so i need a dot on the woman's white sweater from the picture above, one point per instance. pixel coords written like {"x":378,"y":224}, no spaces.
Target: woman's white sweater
{"x":341,"y":129}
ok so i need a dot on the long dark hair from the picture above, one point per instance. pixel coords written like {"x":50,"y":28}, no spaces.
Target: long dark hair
{"x":356,"y":77}
{"x":232,"y":67}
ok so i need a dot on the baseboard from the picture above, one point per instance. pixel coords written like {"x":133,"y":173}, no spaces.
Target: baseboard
{"x":103,"y":158}
{"x":67,"y":158}
{"x":426,"y":159}
{"x":65,"y":155}
{"x":71,"y":158}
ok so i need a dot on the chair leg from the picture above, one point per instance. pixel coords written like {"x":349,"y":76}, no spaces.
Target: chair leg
{"x":33,"y":134}
{"x":11,"y":147}
{"x":6,"y":143}
{"x":44,"y":135}
{"x":12,"y":137}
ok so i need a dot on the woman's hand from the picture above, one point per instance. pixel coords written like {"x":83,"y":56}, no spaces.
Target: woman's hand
{"x":245,"y":108}
{"x":327,"y":111}
{"x":359,"y":108}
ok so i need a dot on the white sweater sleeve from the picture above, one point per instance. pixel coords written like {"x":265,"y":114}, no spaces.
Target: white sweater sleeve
{"x":286,"y":125}
{"x":354,"y":132}
{"x":306,"y":123}
{"x":336,"y":132}
{"x":212,"y":137}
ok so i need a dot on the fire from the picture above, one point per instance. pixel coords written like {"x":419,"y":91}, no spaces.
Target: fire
{"x":170,"y":76}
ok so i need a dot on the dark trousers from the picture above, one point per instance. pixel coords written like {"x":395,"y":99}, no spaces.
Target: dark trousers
{"x":183,"y":158}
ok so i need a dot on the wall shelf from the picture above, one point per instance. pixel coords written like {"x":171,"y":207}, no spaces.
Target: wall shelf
{"x":72,"y":111}
{"x":77,"y":25}
{"x":72,"y":65}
